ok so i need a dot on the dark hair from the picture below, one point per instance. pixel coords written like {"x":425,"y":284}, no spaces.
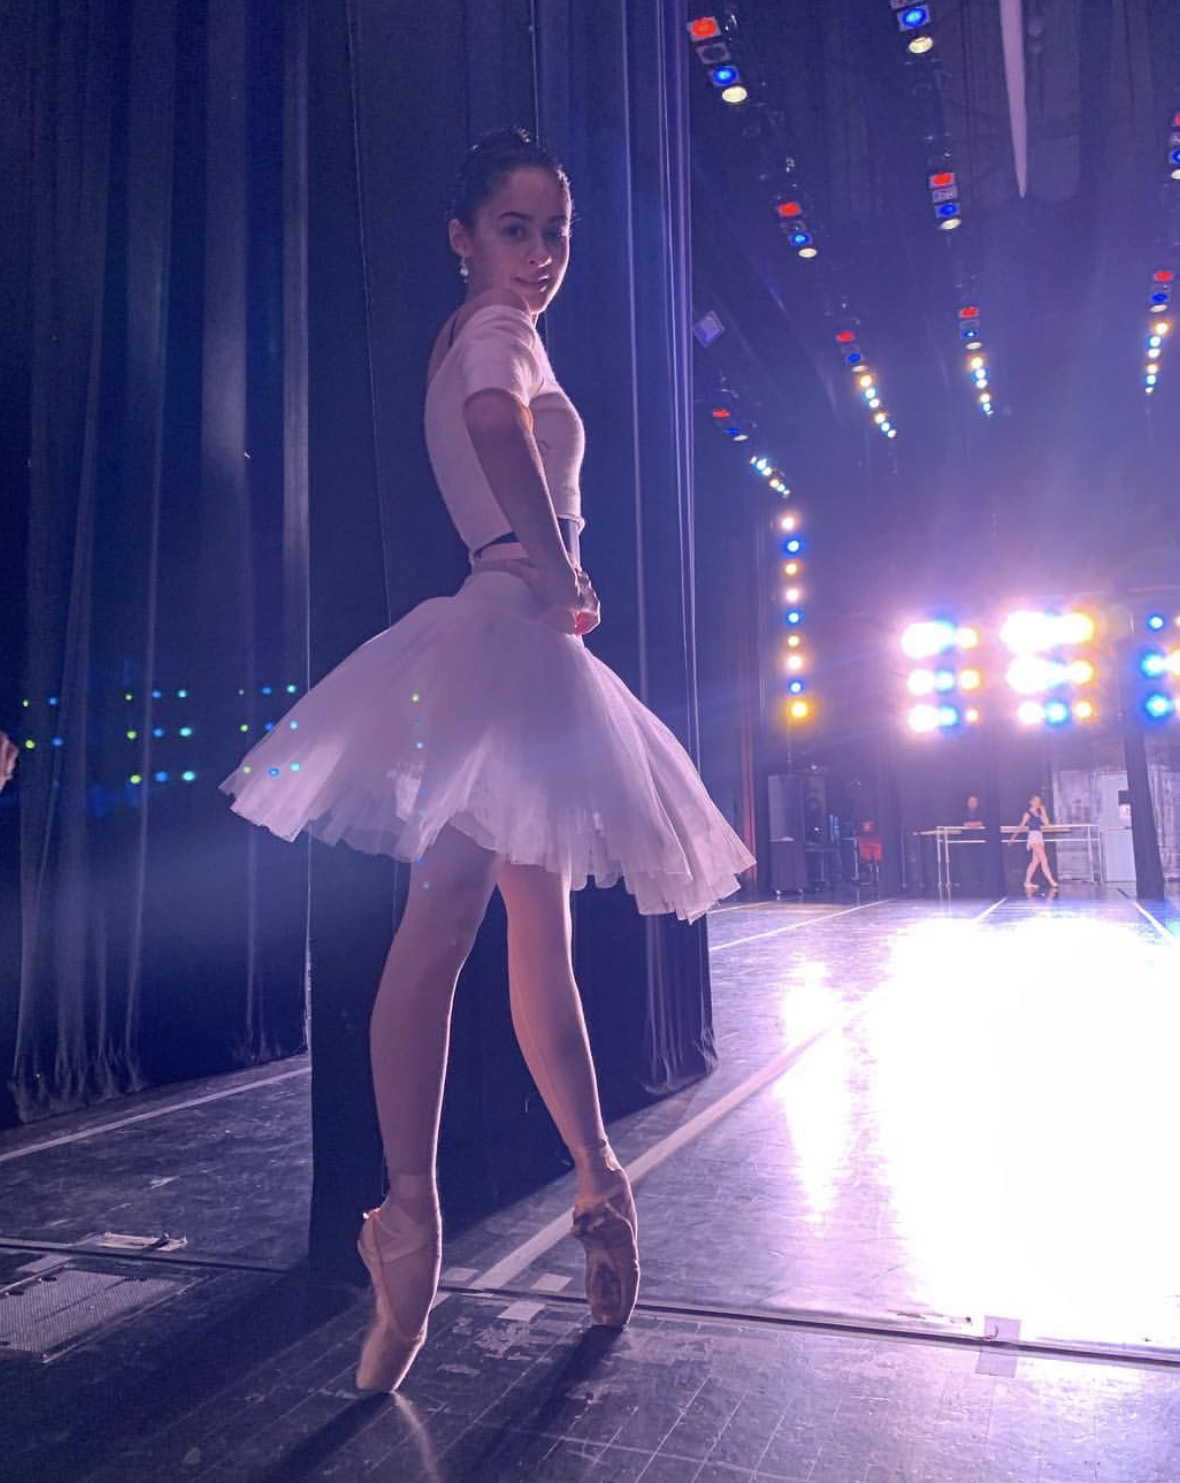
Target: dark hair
{"x":490,"y":162}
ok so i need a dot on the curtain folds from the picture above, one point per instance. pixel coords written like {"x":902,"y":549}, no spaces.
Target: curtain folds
{"x":147,"y":936}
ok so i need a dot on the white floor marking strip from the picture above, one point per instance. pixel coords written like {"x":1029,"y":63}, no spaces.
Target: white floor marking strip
{"x":829,"y":916}
{"x":143,"y":1117}
{"x":983,"y":915}
{"x":1154,"y":920}
{"x":511,"y":1266}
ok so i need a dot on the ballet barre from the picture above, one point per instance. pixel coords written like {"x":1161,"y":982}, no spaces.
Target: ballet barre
{"x":946,"y":836}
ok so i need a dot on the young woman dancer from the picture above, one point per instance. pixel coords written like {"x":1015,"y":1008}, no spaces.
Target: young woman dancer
{"x":479,"y":739}
{"x":1035,"y":818}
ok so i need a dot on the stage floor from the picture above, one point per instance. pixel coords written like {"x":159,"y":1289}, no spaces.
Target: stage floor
{"x":920,"y":1225}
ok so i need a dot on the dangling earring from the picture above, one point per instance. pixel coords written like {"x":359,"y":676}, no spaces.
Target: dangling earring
{"x":464,"y":269}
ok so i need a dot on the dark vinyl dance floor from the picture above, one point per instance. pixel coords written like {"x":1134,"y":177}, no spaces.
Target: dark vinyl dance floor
{"x":921,"y":1226}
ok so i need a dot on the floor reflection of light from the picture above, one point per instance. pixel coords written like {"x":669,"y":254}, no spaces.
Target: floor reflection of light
{"x":1020,"y":1097}
{"x":814,"y":1101}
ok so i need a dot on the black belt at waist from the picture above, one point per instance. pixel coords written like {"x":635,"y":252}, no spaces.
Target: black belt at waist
{"x":566,"y":524}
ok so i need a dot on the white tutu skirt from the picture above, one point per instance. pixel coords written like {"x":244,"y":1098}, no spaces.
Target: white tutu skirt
{"x":473,"y":711}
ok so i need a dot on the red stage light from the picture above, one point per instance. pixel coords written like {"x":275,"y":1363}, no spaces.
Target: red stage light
{"x":789,"y":208}
{"x":720,"y":413}
{"x":1163,"y":276}
{"x":845,"y":337}
{"x":704,"y":29}
{"x":970,"y":312}
{"x":942,"y":180}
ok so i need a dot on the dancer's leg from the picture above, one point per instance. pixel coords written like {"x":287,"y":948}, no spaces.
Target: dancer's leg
{"x":547,"y":1016}
{"x":409,"y":1035}
{"x":410,"y":1026}
{"x":1043,"y":861}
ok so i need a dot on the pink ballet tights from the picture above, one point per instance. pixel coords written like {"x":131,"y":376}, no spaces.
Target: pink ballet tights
{"x":411,"y":1020}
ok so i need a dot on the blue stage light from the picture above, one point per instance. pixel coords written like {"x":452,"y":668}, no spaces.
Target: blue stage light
{"x":1153,"y":665}
{"x":944,"y":679}
{"x":947,"y":208}
{"x":914,"y":18}
{"x":948,"y":715}
{"x":1155,"y":621}
{"x":1158,"y":706}
{"x":800,"y":239}
{"x":854,"y":357}
{"x":794,"y":617}
{"x":793,"y":546}
{"x":1056,"y":712}
{"x":796,"y":687}
{"x":724,"y":77}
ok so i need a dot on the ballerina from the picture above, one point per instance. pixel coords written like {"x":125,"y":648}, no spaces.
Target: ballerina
{"x":480,"y":740}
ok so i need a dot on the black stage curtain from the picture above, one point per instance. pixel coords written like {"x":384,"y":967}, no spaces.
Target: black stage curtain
{"x":605,"y":89}
{"x":154,"y":538}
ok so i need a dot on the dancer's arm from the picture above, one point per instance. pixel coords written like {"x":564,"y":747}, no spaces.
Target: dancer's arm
{"x":501,"y":432}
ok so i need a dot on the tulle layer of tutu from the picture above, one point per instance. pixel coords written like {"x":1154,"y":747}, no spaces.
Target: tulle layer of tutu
{"x":472,"y":711}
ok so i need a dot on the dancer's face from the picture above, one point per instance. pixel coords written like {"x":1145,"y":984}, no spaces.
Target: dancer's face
{"x":520,"y":239}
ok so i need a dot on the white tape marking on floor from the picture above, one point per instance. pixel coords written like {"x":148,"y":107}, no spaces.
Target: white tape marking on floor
{"x":510,"y":1267}
{"x":1154,"y":920}
{"x":987,"y":911}
{"x":829,"y":916}
{"x":143,"y":1117}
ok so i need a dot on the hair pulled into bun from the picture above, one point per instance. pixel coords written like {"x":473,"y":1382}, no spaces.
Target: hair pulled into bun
{"x":490,"y":161}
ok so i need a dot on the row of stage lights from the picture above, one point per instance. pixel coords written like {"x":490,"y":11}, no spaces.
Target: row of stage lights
{"x":915,"y":22}
{"x":1047,"y":681}
{"x":1158,"y":326}
{"x":866,"y":382}
{"x":133,"y":734}
{"x":714,"y":54}
{"x":711,"y":44}
{"x":794,"y":657}
{"x":788,"y":556}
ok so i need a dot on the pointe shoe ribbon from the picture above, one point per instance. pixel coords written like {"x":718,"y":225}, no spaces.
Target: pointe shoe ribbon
{"x":608,"y":1230}
{"x":387,"y":1351}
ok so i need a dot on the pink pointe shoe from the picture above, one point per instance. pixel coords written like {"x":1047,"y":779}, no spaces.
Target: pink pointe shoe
{"x":608,"y":1228}
{"x":403,"y":1265}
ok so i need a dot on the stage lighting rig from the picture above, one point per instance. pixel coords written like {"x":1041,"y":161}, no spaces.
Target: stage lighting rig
{"x":865,"y":381}
{"x":914,"y":23}
{"x":944,"y":199}
{"x":1157,"y":670}
{"x":1159,"y":327}
{"x":976,"y":359}
{"x":1174,"y":147}
{"x":712,"y":43}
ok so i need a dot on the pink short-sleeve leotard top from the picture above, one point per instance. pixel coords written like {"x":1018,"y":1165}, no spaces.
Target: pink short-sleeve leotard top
{"x":499,"y":348}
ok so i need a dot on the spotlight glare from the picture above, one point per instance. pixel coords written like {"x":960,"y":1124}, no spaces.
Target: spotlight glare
{"x":734,"y":95}
{"x":970,"y":679}
{"x":948,"y":715}
{"x":1153,"y":665}
{"x":1030,"y":712}
{"x":925,"y":639}
{"x":920,"y":45}
{"x":967,"y":638}
{"x":924,"y":718}
{"x":1083,"y":711}
{"x":1158,"y":705}
{"x":971,"y":716}
{"x":1155,"y":621}
{"x":921,"y":682}
{"x":800,"y":710}
{"x":944,"y":679}
{"x":1056,"y":712}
